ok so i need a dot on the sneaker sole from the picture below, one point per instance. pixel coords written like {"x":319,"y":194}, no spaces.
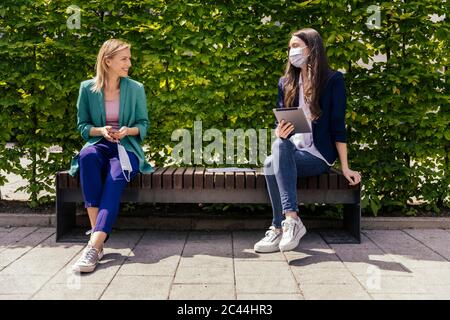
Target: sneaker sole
{"x":266,"y":250}
{"x":83,"y":269}
{"x":301,"y":233}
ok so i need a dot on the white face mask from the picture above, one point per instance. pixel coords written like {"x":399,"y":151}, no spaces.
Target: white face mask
{"x":297,"y":57}
{"x":124,"y":162}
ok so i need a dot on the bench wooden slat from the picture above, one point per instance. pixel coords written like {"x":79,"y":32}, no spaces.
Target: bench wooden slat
{"x":188,"y":178}
{"x":178,"y":178}
{"x":146,"y":180}
{"x":62,"y":179}
{"x":333,"y":180}
{"x":219,"y":180}
{"x":157,"y":178}
{"x":302,"y":183}
{"x":323,"y":181}
{"x":73,"y":182}
{"x":260,"y":179}
{"x":229,"y":180}
{"x":209,"y":180}
{"x":250,"y":180}
{"x":343,"y":182}
{"x":168,"y":178}
{"x":135,"y":183}
{"x":312,"y":182}
{"x":240,"y":180}
{"x":198,"y":177}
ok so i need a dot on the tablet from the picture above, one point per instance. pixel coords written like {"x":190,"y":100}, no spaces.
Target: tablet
{"x":296,"y":116}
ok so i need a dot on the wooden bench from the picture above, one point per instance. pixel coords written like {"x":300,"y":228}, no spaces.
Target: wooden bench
{"x":197,"y":185}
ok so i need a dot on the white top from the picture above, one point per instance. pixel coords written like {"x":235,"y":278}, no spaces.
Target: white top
{"x":305,"y":141}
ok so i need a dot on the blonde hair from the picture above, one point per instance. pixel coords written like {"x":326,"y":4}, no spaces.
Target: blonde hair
{"x":108,"y":50}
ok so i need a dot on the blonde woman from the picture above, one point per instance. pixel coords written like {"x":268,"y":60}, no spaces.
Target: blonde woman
{"x":112,"y":110}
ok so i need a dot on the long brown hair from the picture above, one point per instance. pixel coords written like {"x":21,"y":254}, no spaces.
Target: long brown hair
{"x":318,"y":69}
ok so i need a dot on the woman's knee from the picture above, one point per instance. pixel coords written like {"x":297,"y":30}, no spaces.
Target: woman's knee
{"x":282,"y":145}
{"x":88,"y":154}
{"x":268,"y":162}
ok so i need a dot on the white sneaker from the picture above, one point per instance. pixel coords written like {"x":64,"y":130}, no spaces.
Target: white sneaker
{"x":100,"y":253}
{"x":293,"y":231}
{"x":270,"y":242}
{"x":88,"y":261}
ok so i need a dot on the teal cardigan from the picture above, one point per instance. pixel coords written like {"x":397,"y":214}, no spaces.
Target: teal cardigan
{"x":133,"y":113}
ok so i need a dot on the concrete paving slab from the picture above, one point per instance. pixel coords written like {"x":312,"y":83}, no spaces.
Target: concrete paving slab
{"x":23,"y":284}
{"x":319,"y":261}
{"x":366,"y":243}
{"x":206,"y":260}
{"x":269,"y":296}
{"x":263,"y":268}
{"x":14,"y":251}
{"x":299,"y":255}
{"x":391,"y":239}
{"x":42,"y":261}
{"x":10,"y":238}
{"x":439,"y":292}
{"x":402,"y":296}
{"x":266,"y":284}
{"x":334,"y":292}
{"x":202,"y":292}
{"x":436,"y":277}
{"x":412,"y":262}
{"x":74,"y":291}
{"x":374,"y":283}
{"x":206,"y":274}
{"x":15,"y":296}
{"x":157,"y":238}
{"x":144,"y":263}
{"x":435,"y":239}
{"x":138,"y":288}
{"x":313,"y":241}
{"x":216,"y":248}
{"x":321,"y":276}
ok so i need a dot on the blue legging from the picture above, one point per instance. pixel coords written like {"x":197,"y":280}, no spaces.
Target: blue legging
{"x":103,"y":182}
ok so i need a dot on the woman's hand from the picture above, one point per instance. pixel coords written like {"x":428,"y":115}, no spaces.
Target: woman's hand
{"x":354,"y":177}
{"x":107,"y":133}
{"x":118,"y":135}
{"x":284,"y":129}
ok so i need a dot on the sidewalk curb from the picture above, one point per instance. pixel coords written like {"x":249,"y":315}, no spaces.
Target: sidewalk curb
{"x":27,"y":220}
{"x":405,"y":223}
{"x":220,"y":223}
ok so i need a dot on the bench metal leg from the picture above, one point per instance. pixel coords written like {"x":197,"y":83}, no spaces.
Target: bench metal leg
{"x":65,"y":218}
{"x":352,"y":220}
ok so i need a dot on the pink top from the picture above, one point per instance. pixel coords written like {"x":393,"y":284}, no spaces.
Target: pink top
{"x":112,"y":113}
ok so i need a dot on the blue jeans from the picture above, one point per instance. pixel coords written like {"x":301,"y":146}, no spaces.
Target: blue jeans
{"x":281,"y":170}
{"x":102,"y":181}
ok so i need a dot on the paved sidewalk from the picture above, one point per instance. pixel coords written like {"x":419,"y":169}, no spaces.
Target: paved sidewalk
{"x":388,"y":264}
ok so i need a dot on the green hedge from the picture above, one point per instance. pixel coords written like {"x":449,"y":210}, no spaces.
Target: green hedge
{"x":219,"y":62}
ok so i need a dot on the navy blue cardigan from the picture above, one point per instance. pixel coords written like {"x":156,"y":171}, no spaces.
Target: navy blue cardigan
{"x":330,"y":126}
